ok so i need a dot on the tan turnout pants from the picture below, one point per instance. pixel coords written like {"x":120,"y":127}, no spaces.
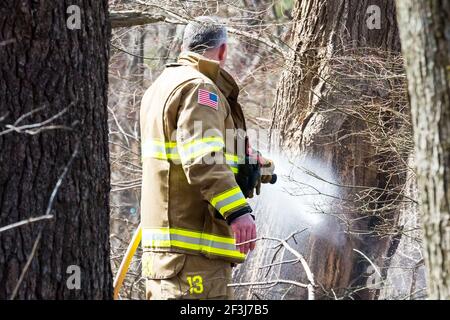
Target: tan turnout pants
{"x":184,"y":276}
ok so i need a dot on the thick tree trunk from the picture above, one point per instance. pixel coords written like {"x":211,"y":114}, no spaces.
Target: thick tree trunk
{"x":49,"y":71}
{"x":425,"y":34}
{"x":318,"y":112}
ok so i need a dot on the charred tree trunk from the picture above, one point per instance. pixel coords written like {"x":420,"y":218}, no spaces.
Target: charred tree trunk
{"x":318,"y":112}
{"x":53,"y":90}
{"x":425,"y":33}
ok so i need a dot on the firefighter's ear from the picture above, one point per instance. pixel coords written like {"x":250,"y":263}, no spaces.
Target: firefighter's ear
{"x":222,"y":54}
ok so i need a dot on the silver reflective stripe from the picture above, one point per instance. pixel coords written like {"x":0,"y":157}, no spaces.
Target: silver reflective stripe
{"x":203,"y":145}
{"x":196,"y":241}
{"x":172,"y":150}
{"x":200,"y":149}
{"x":219,"y":205}
{"x":160,"y":150}
{"x":151,"y":147}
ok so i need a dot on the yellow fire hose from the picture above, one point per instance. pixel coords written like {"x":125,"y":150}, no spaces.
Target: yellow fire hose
{"x":125,"y":264}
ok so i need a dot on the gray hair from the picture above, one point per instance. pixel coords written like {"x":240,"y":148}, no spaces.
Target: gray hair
{"x":204,"y":33}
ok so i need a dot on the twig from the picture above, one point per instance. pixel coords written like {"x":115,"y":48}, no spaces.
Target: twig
{"x":38,"y":127}
{"x":26,"y":221}
{"x":263,"y":283}
{"x":299,"y":256}
{"x":370,"y":261}
{"x":27,"y":265}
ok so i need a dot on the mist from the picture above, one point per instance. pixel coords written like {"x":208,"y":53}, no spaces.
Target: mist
{"x":302,"y":197}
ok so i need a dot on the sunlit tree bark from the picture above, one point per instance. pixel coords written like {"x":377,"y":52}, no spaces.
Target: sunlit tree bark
{"x":425,"y":34}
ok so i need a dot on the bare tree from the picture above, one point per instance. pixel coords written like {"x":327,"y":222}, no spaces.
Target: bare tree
{"x":54,"y":159}
{"x":341,"y":102}
{"x":425,"y":34}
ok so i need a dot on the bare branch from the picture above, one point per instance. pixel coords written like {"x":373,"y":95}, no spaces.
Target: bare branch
{"x":26,"y":221}
{"x":27,"y":265}
{"x":262,"y":283}
{"x":298,"y":255}
{"x":130,"y":18}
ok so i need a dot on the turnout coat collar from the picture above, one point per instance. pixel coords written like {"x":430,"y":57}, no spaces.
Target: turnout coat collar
{"x":211,"y":68}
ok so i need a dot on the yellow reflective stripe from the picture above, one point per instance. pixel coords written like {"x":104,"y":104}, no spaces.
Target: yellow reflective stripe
{"x":195,"y":234}
{"x":225,"y":195}
{"x":165,"y":156}
{"x":182,"y":244}
{"x":200,"y":147}
{"x":228,"y":200}
{"x":236,"y":254}
{"x":196,"y":247}
{"x":193,"y":240}
{"x":168,"y":150}
{"x":203,"y":140}
{"x":202,"y":235}
{"x":160,"y":150}
{"x":233,"y":205}
{"x":170,"y":144}
{"x":231,"y":157}
{"x":233,"y":161}
{"x":173,"y":156}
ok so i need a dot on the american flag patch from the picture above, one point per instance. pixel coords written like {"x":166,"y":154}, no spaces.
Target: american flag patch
{"x":208,"y":98}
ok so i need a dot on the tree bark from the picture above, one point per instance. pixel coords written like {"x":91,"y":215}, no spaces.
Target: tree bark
{"x":425,"y":34}
{"x":49,"y":71}
{"x":315,"y":115}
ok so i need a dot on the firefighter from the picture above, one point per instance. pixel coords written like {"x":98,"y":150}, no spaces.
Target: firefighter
{"x":193,"y":212}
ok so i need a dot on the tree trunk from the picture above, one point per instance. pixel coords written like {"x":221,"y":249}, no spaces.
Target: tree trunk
{"x":425,"y":34}
{"x":51,"y":72}
{"x":321,"y":111}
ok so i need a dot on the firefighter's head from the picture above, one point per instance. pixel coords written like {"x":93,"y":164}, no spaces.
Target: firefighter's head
{"x":208,"y":37}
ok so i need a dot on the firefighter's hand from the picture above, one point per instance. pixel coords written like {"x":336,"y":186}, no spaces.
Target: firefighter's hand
{"x":244,"y":229}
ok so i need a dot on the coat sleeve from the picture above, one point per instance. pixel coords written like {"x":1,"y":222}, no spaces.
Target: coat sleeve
{"x":201,"y":146}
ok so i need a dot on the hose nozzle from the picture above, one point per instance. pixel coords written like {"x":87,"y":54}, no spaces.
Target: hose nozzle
{"x":274,"y":179}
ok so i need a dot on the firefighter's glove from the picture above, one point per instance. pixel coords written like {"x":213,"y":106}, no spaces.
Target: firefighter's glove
{"x":265,"y":174}
{"x":248,"y":177}
{"x":267,"y":170}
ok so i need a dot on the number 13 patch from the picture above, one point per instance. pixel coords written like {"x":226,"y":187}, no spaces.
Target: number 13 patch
{"x":195,"y":284}
{"x":208,"y":99}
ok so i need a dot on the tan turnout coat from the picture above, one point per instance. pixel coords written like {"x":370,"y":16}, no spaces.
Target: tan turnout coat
{"x":190,"y":145}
